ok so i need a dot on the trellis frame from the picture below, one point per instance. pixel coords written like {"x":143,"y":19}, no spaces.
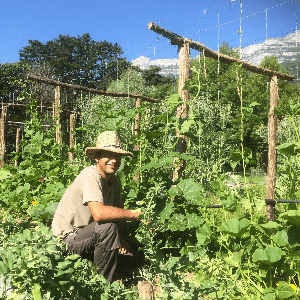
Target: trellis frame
{"x":176,"y":39}
{"x":57,"y":85}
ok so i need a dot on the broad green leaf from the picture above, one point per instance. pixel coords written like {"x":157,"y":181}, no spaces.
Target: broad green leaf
{"x":289,"y":148}
{"x":177,"y":223}
{"x":281,"y":238}
{"x":235,"y":259}
{"x":293,"y":216}
{"x":4,"y":174}
{"x":174,"y":191}
{"x":51,"y":208}
{"x":203,"y":234}
{"x":193,"y":220}
{"x":167,"y":211}
{"x":173,"y":101}
{"x":36,"y":292}
{"x":268,"y":255}
{"x":27,"y":234}
{"x":235,"y":227}
{"x":185,"y":127}
{"x":284,"y":290}
{"x":270,"y":296}
{"x":192,"y":191}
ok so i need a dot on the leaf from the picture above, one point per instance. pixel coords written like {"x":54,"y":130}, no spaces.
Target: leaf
{"x":174,"y":100}
{"x":191,"y":190}
{"x":292,"y":216}
{"x":268,"y":255}
{"x":27,"y":234}
{"x":235,"y":227}
{"x":185,"y":127}
{"x":36,"y":292}
{"x":51,"y":208}
{"x":167,"y":211}
{"x":4,"y":174}
{"x":177,"y":223}
{"x":235,"y":259}
{"x":63,"y":265}
{"x":284,"y":290}
{"x":203,"y":234}
{"x":281,"y":238}
{"x":193,"y":220}
{"x":289,"y":148}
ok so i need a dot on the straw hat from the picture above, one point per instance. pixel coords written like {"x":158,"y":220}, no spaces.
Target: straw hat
{"x":108,"y":141}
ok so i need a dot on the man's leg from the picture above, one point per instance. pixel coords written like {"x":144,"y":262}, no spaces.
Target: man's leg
{"x":103,"y":241}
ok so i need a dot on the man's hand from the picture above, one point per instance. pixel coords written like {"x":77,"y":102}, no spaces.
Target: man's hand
{"x":125,"y":247}
{"x":137,"y":212}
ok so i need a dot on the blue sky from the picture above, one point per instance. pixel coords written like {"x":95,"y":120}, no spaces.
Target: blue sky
{"x":125,"y":22}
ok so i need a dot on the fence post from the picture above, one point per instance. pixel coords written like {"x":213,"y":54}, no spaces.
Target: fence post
{"x":272,"y":139}
{"x":72,"y":129}
{"x":182,"y":110}
{"x":137,"y":128}
{"x":2,"y":135}
{"x":57,"y":115}
{"x":17,"y":143}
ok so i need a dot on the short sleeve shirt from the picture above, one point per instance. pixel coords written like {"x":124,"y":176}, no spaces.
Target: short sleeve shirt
{"x":73,"y":211}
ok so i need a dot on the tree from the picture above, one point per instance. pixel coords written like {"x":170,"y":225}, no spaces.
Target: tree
{"x":12,"y":76}
{"x":78,"y":60}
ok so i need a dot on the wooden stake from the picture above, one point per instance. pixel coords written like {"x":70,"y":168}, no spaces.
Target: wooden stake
{"x":17,"y":143}
{"x":182,"y":111}
{"x":72,"y":129}
{"x":137,"y":128}
{"x":145,"y":290}
{"x":2,"y":135}
{"x":271,"y":172}
{"x":57,"y":115}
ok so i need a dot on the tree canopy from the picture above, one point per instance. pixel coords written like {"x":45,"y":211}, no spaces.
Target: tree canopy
{"x":77,"y":60}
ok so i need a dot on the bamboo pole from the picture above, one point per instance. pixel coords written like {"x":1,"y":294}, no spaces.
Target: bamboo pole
{"x":2,"y":135}
{"x":272,"y":139}
{"x":17,"y":143}
{"x":137,"y":120}
{"x":57,"y":115}
{"x":72,"y":129}
{"x":137,"y":128}
{"x":182,"y":110}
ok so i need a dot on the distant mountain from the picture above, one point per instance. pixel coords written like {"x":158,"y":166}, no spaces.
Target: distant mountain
{"x":169,"y":67}
{"x":286,"y":49}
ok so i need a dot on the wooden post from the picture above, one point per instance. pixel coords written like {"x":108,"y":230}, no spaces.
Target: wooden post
{"x":17,"y":143}
{"x":2,"y":135}
{"x":137,"y":128}
{"x":57,"y":115}
{"x":72,"y":129}
{"x":272,"y":139}
{"x":146,"y":290}
{"x":182,"y":111}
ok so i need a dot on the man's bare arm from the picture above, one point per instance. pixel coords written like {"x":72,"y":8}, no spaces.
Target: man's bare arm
{"x":103,"y":214}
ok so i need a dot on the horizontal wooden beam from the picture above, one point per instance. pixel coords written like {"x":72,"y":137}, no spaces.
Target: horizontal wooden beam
{"x":39,"y":106}
{"x":86,"y":89}
{"x":178,"y":40}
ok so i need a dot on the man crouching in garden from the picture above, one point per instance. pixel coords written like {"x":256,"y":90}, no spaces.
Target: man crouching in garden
{"x":90,"y":217}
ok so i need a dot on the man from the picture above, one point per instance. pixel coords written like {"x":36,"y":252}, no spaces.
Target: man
{"x":90,"y":216}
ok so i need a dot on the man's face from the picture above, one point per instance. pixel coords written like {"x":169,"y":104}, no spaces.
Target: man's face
{"x":108,"y":163}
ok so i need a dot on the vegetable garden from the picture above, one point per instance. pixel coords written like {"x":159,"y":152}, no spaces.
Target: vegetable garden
{"x":195,"y":252}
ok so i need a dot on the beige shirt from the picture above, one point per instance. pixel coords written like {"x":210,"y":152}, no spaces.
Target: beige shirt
{"x":73,"y":212}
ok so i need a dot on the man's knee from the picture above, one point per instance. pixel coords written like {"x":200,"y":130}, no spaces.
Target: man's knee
{"x":107,"y":227}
